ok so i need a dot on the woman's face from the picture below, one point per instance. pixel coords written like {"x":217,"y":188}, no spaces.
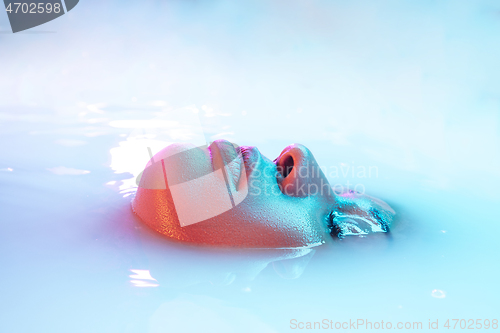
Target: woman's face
{"x":229,"y":195}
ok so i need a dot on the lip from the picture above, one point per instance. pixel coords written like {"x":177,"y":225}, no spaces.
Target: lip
{"x":225,"y":156}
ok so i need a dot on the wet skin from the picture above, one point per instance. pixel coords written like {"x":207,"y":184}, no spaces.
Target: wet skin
{"x":285,"y":203}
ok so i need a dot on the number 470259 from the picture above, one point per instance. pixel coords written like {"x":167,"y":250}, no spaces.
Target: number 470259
{"x":33,"y":8}
{"x":472,"y":324}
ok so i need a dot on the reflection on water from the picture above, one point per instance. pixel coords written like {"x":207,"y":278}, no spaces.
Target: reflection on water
{"x":131,"y":157}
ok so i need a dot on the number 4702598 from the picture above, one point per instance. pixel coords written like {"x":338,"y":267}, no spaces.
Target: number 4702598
{"x":32,"y":8}
{"x":472,"y":324}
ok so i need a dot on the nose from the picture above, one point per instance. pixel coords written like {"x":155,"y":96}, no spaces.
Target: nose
{"x":299,"y":175}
